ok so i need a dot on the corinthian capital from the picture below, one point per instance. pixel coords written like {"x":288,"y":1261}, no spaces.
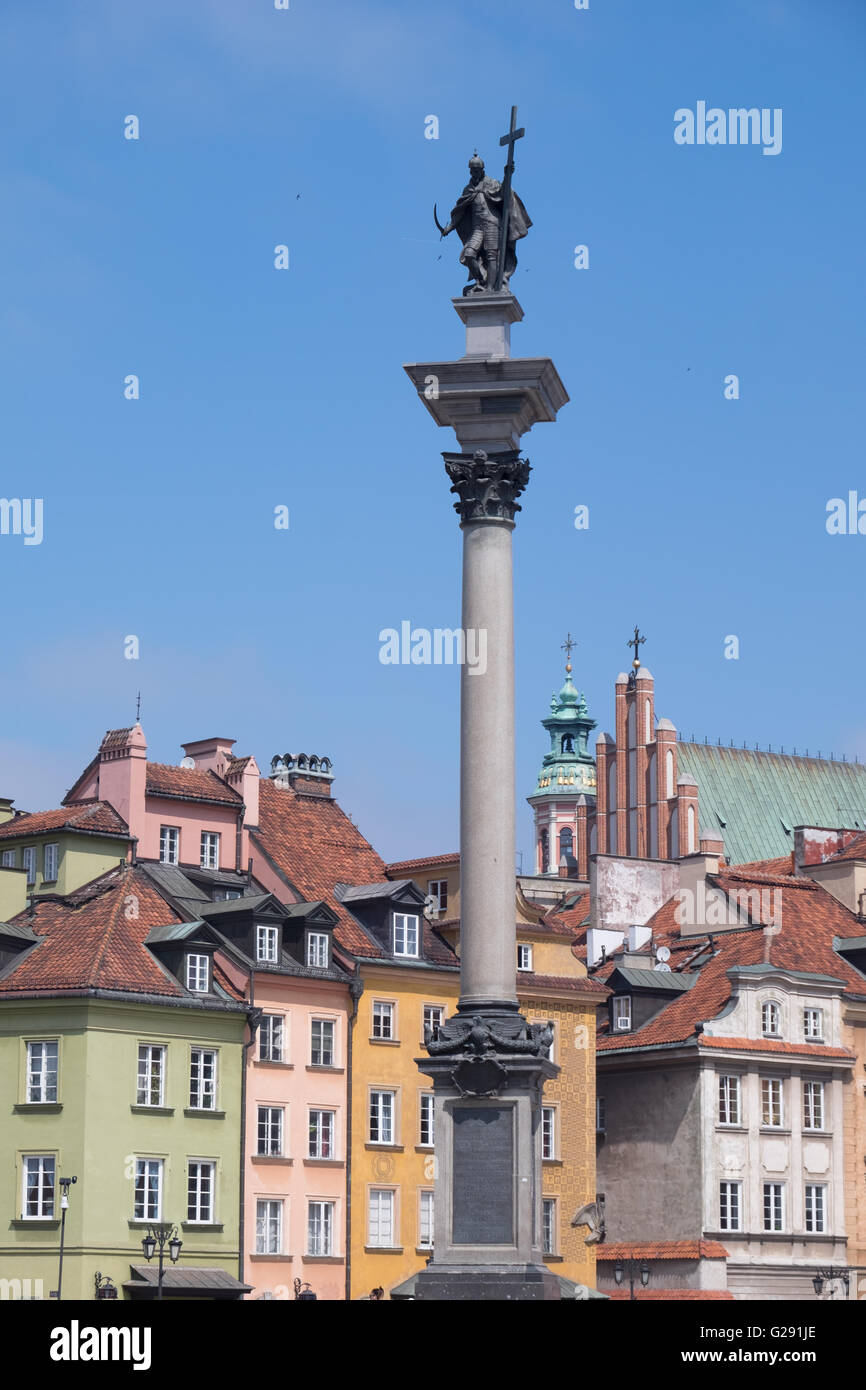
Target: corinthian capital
{"x":487,"y":485}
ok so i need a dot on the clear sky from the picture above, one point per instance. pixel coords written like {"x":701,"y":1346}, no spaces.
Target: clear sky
{"x":260,"y":387}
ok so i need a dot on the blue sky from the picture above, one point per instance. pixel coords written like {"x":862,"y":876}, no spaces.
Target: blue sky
{"x":260,"y":387}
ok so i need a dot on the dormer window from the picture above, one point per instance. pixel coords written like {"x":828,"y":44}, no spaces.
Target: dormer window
{"x":405,"y":934}
{"x":198,"y":973}
{"x":771,"y":1020}
{"x":317,"y":949}
{"x":266,"y":944}
{"x":622,"y":1014}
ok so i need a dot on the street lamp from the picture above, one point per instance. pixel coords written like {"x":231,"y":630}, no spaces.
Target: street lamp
{"x":65,"y":1184}
{"x":830,"y":1276}
{"x":631,"y":1266}
{"x":159,"y":1236}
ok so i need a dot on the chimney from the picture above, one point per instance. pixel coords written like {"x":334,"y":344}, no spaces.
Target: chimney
{"x":308,"y":775}
{"x":122,"y":775}
{"x":210,"y":754}
{"x":242,"y":775}
{"x":7,"y":811}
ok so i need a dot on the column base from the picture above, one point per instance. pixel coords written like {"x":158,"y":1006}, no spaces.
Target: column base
{"x":486,"y":1283}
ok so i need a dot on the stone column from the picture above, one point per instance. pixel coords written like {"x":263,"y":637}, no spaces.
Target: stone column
{"x":487,"y":1063}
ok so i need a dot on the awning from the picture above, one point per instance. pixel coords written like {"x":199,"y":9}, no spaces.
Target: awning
{"x":190,"y":1282}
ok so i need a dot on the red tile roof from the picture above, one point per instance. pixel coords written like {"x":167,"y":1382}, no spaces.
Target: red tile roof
{"x":195,"y":785}
{"x":671,"y":1295}
{"x":585,"y":985}
{"x":855,"y":850}
{"x":96,"y":816}
{"x":810,"y":918}
{"x":661,"y":1250}
{"x":777,"y":1045}
{"x":572,"y":917}
{"x":782,"y":865}
{"x":407,"y":865}
{"x":90,"y":940}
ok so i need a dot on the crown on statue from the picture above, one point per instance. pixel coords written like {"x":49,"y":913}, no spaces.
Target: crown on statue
{"x":476,"y":162}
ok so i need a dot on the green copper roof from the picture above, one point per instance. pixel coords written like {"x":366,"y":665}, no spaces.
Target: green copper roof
{"x":756,"y":799}
{"x":568,"y":766}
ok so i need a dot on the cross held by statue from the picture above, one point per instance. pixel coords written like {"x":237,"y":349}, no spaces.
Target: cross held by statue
{"x":508,"y":139}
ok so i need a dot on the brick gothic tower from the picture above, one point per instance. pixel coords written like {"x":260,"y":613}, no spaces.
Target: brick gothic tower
{"x":564,"y":799}
{"x":643,"y":809}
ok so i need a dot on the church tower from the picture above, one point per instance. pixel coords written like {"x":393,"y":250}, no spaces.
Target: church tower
{"x":564,"y":799}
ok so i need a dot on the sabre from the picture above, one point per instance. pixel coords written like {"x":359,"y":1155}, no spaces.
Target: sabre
{"x":442,"y":231}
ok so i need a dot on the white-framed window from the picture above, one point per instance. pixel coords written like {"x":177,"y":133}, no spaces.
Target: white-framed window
{"x":774,"y":1206}
{"x":317,"y":949}
{"x":622,"y":1013}
{"x":8,"y":859}
{"x":813,"y":1024}
{"x":425,"y":1137}
{"x":269,"y":1137}
{"x":771,"y":1019}
{"x":382,"y":1107}
{"x":600,"y":1114}
{"x":200,"y":1185}
{"x":813,"y":1105}
{"x":380,"y":1217}
{"x":271,"y":1033}
{"x":524,"y":956}
{"x":548,"y":1225}
{"x":816,"y":1206}
{"x":383,"y":1019}
{"x":28,"y":862}
{"x":148,"y":1189}
{"x":433,"y":1016}
{"x":202,"y":1078}
{"x":425,"y":1219}
{"x":730,"y":1205}
{"x":42,"y":1059}
{"x":548,"y":1131}
{"x":197,"y":972}
{"x":321,"y":1132}
{"x":405,"y":934}
{"x":267,"y":940}
{"x":169,"y":844}
{"x":320,"y":1228}
{"x":50,"y":861}
{"x":210,"y":850}
{"x":438,"y":888}
{"x":322,"y":1042}
{"x":771,"y":1101}
{"x":150,"y":1089}
{"x":37,"y":1196}
{"x":729,"y":1100}
{"x":269,"y":1226}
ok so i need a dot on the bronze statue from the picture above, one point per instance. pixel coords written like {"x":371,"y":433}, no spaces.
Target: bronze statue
{"x":489,"y":218}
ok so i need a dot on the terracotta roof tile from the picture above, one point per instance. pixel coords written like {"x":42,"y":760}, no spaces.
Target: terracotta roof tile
{"x":586,"y":985}
{"x":164,"y":780}
{"x":90,"y":940}
{"x":783,"y":865}
{"x":672,"y":1295}
{"x":777,"y":1045}
{"x":95,"y":816}
{"x":661,"y":1250}
{"x":401,"y":865}
{"x":855,"y":850}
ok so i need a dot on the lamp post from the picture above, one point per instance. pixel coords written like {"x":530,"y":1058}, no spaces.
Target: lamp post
{"x":158,"y":1237}
{"x":831,"y":1276}
{"x":631,"y":1267}
{"x":65,"y":1184}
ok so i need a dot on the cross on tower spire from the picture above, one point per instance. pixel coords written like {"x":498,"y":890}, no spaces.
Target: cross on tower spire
{"x":566,"y":647}
{"x":636,"y":642}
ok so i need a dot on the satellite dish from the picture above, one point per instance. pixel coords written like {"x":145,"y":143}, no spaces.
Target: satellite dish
{"x":187,"y":762}
{"x":663,"y":953}
{"x":662,"y":968}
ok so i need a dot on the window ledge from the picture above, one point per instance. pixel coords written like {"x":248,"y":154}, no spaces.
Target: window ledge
{"x":141,"y":1223}
{"x":424,"y":1250}
{"x":385,"y":1148}
{"x":553,"y":1259}
{"x":279,"y":1259}
{"x":325,"y":1162}
{"x":817,"y":1133}
{"x":383,"y":1249}
{"x":269,"y":1062}
{"x":322,"y":1066}
{"x":323,"y":1259}
{"x":553,"y":1162}
{"x":777,"y":1130}
{"x":202,"y":1226}
{"x":204,"y":1114}
{"x":419,"y":1148}
{"x":271,"y":1158}
{"x":384,"y":1042}
{"x":732,"y":1129}
{"x":42,"y":1223}
{"x":30,"y":1107}
{"x":152,"y":1109}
